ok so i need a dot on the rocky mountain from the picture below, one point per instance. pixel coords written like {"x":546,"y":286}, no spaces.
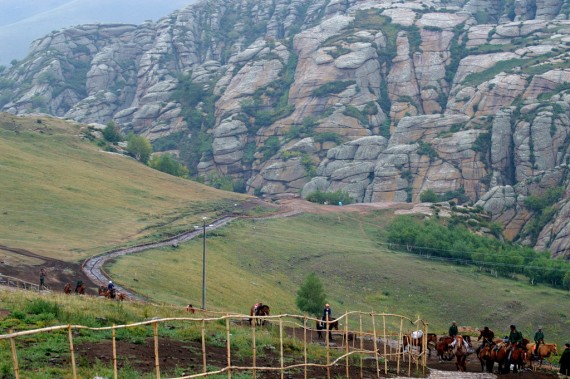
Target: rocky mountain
{"x":382,"y":99}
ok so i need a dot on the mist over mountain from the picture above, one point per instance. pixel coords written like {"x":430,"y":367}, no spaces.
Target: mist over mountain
{"x":21,"y":22}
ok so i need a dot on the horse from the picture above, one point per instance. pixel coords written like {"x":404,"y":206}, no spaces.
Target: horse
{"x":544,"y":351}
{"x":443,"y":350}
{"x":500,"y":354}
{"x":104,"y":292}
{"x":321,"y":325}
{"x":518,"y":357}
{"x":416,"y":339}
{"x":460,"y":352}
{"x":485,"y":358}
{"x":67,"y":288}
{"x":262,"y":310}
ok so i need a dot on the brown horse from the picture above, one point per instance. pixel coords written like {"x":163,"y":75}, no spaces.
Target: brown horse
{"x":416,"y":339}
{"x":443,"y":349}
{"x":333,"y":324}
{"x":499,"y":354}
{"x":485,"y":358}
{"x":104,"y":292}
{"x":262,"y":310}
{"x":544,"y":351}
{"x":460,"y":352}
{"x":67,"y":288}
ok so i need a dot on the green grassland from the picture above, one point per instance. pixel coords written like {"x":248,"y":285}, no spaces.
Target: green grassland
{"x":63,"y":197}
{"x":266,"y":261}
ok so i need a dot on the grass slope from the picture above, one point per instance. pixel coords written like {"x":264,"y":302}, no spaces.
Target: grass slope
{"x":64,"y":198}
{"x":267,"y":261}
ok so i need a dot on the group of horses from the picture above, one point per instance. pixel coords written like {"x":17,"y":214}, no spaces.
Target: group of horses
{"x":491,"y":352}
{"x":103,"y":292}
{"x":519,"y":356}
{"x":78,"y":289}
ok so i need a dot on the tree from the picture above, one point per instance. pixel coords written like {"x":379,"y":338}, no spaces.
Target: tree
{"x":112,"y":133}
{"x":139,"y":147}
{"x":311,"y":295}
{"x":167,"y":163}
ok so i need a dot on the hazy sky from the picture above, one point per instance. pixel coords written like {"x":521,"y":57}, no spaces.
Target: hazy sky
{"x":22,"y":21}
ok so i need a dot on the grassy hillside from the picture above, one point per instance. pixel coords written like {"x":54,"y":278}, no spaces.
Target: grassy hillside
{"x":65,"y":198}
{"x":267,"y":261}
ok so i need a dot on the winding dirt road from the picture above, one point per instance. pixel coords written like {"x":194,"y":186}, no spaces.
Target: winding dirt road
{"x":93,"y":267}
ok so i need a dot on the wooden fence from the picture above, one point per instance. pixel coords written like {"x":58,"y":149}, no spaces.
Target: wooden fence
{"x":380,"y":345}
{"x":19,"y":283}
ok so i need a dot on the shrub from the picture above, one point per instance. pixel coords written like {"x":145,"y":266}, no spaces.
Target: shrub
{"x":429,"y":196}
{"x":112,"y":133}
{"x":332,"y":87}
{"x":169,"y":164}
{"x":336,"y":197}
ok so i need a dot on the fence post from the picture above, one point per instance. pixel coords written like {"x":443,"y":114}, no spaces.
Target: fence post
{"x":399,"y":346}
{"x":327,"y":326}
{"x":156,"y":357}
{"x":305,"y":344}
{"x":253,"y":347}
{"x":73,"y":370}
{"x":205,"y":368}
{"x":228,"y":347}
{"x":14,"y":356}
{"x":346,"y":340}
{"x":115,"y":373}
{"x":385,"y":343}
{"x":361,"y":345}
{"x":281,"y":347}
{"x":425,"y":349}
{"x":375,"y":346}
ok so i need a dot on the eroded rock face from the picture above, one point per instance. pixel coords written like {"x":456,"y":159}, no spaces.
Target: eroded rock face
{"x":383,"y":100}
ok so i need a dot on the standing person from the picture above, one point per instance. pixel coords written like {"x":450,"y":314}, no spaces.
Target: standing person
{"x":453,"y":329}
{"x":565,"y":361}
{"x":42,"y":278}
{"x":538,"y":339}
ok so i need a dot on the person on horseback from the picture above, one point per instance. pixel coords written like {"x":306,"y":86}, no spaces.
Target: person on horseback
{"x":327,"y":312}
{"x":487,"y":335}
{"x":256,"y":308}
{"x":111,"y":289}
{"x":538,"y":339}
{"x":78,"y":285}
{"x":515,"y":340}
{"x":453,"y":329}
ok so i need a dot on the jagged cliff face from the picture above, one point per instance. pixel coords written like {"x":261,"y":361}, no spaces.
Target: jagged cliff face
{"x":382,"y":99}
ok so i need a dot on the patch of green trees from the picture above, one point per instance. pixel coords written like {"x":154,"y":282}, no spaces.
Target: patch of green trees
{"x":337,"y":197}
{"x":455,"y":243}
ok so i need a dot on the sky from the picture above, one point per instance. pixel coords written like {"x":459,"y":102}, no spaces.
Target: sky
{"x":23,"y":21}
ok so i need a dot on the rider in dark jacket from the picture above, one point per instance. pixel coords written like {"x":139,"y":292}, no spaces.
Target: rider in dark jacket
{"x":487,"y":335}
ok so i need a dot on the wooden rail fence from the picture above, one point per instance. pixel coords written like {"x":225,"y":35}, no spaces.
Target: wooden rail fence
{"x":19,"y":283}
{"x":380,"y":344}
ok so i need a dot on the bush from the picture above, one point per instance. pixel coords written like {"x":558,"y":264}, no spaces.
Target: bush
{"x":111,"y":133}
{"x":336,"y":197}
{"x":429,"y":196}
{"x":332,"y":87}
{"x":169,"y":164}
{"x":139,"y":147}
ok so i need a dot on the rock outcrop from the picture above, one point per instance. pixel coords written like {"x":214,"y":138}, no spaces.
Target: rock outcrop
{"x":383,"y":100}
